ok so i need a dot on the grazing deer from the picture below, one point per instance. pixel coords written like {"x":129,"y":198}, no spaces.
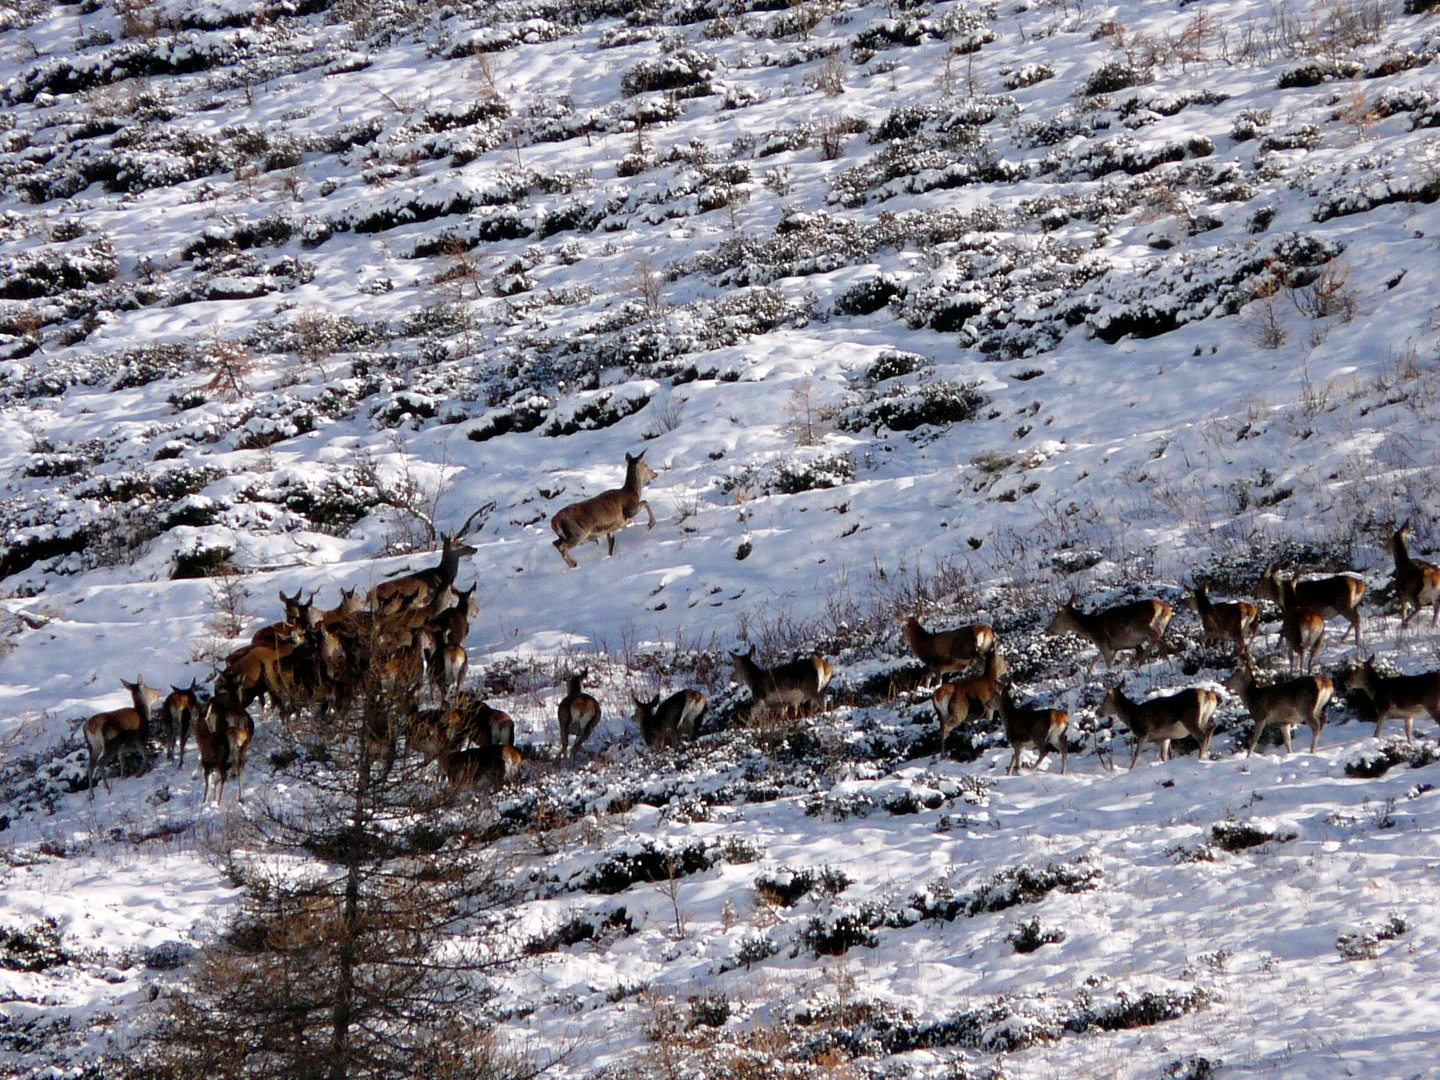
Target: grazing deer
{"x":1294,"y":701}
{"x":1231,"y":620}
{"x":1159,"y":720}
{"x":1125,"y":626}
{"x":1405,"y":696}
{"x":421,"y":588}
{"x":665,"y":724}
{"x":578,"y":713}
{"x":949,"y":650}
{"x":1301,"y":628}
{"x":1040,"y":728}
{"x":254,"y":671}
{"x":1337,"y":596}
{"x":604,"y":514}
{"x":959,"y":702}
{"x":1417,"y":583}
{"x":481,"y":768}
{"x":482,"y":724}
{"x":107,"y":734}
{"x":178,"y":714}
{"x":790,"y":686}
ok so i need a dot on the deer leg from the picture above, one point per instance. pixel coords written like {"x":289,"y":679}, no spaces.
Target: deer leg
{"x":1409,"y":729}
{"x":1285,"y":730}
{"x":1135,"y":757}
{"x":1014,"y":766}
{"x":564,"y":549}
{"x":649,"y":513}
{"x":1255,"y":737}
{"x":1044,"y":752}
{"x":610,"y":539}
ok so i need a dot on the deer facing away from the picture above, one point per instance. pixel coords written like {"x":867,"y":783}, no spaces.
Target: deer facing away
{"x":1229,"y":620}
{"x":666,"y":724}
{"x":604,"y":514}
{"x":1124,"y":626}
{"x":1301,"y":628}
{"x":1040,"y":728}
{"x":979,"y":695}
{"x":178,"y":715}
{"x":107,"y":734}
{"x":1337,"y":596}
{"x":1162,"y":719}
{"x":578,"y":715}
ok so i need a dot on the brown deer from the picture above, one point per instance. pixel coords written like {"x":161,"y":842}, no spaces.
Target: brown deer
{"x":1417,"y":583}
{"x":222,"y":737}
{"x":1125,"y":626}
{"x":1162,"y":719}
{"x":478,"y":722}
{"x":948,"y":650}
{"x":1283,"y":705}
{"x":419,"y":589}
{"x":665,"y":724}
{"x":1301,"y":628}
{"x":1337,"y":596}
{"x":604,"y":514}
{"x":350,"y":606}
{"x":960,"y":702}
{"x":254,"y":671}
{"x":448,"y":664}
{"x":480,"y":768}
{"x":1230,"y":620}
{"x":108,"y":734}
{"x":1040,"y":728}
{"x":578,"y":714}
{"x":1405,"y":696}
{"x":790,"y":686}
{"x":178,"y":714}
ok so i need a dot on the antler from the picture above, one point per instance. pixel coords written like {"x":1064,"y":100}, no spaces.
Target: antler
{"x":484,"y":509}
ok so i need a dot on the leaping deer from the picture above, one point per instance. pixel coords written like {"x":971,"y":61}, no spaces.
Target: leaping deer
{"x":604,"y":514}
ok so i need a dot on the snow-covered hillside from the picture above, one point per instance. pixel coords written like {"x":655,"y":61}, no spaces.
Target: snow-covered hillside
{"x":950,"y":307}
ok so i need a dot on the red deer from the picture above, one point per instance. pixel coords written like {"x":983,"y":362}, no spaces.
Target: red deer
{"x":222,"y":738}
{"x":960,"y":702}
{"x":1405,"y":696}
{"x":1301,"y":628}
{"x":665,"y":724}
{"x":447,"y":669}
{"x":423,"y":587}
{"x":481,"y":768}
{"x":1162,"y":719}
{"x":578,"y":714}
{"x":1040,"y":728}
{"x":1417,"y":583}
{"x":1125,"y":626}
{"x":1231,"y":620}
{"x":178,"y":713}
{"x":1295,"y":701}
{"x":480,"y":723}
{"x":107,"y":734}
{"x":604,"y":514}
{"x":254,"y":671}
{"x":790,"y":686}
{"x":1337,"y":596}
{"x":948,"y":650}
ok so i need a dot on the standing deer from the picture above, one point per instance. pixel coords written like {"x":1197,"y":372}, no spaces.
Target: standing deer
{"x":1405,"y":696}
{"x":665,"y":724}
{"x":1295,"y":701}
{"x":1040,"y":728}
{"x":1301,"y":628}
{"x":178,"y":714}
{"x":578,"y":713}
{"x":1417,"y":583}
{"x":1337,"y":596}
{"x":482,"y":768}
{"x":1125,"y":626}
{"x":107,"y":734}
{"x":1231,"y":620}
{"x":948,"y":650}
{"x":222,"y":738}
{"x":421,"y":588}
{"x":604,"y":514}
{"x":1159,"y":720}
{"x":478,"y":722}
{"x":790,"y":686}
{"x":959,"y":702}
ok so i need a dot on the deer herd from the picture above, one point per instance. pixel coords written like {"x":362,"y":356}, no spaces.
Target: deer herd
{"x":410,"y":631}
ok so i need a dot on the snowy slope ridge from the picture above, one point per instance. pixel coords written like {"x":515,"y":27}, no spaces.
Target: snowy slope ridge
{"x":941,"y":306}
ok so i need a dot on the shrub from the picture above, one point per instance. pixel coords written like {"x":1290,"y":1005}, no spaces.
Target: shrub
{"x":602,"y":411}
{"x":868,"y":296}
{"x":35,"y":948}
{"x":894,"y":363}
{"x":650,"y":863}
{"x":202,"y":562}
{"x":837,"y":933}
{"x":1112,"y":77}
{"x":1239,"y":835}
{"x":684,"y":69}
{"x":1029,"y":936}
{"x":1366,"y":946}
{"x":908,"y":407}
{"x":1144,"y":1010}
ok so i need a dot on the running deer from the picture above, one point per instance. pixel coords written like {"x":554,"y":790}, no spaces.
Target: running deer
{"x":1040,"y":728}
{"x":800,"y":682}
{"x":948,"y":650}
{"x":579,"y":713}
{"x":108,"y":734}
{"x":1417,"y":583}
{"x":604,"y":514}
{"x":959,"y":702}
{"x":1125,"y":626}
{"x":666,"y":724}
{"x":1230,"y":620}
{"x":1283,"y":705}
{"x":178,"y":714}
{"x":1405,"y":696}
{"x":1301,"y":628}
{"x":1162,"y":719}
{"x":1337,"y":596}
{"x":421,"y":588}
